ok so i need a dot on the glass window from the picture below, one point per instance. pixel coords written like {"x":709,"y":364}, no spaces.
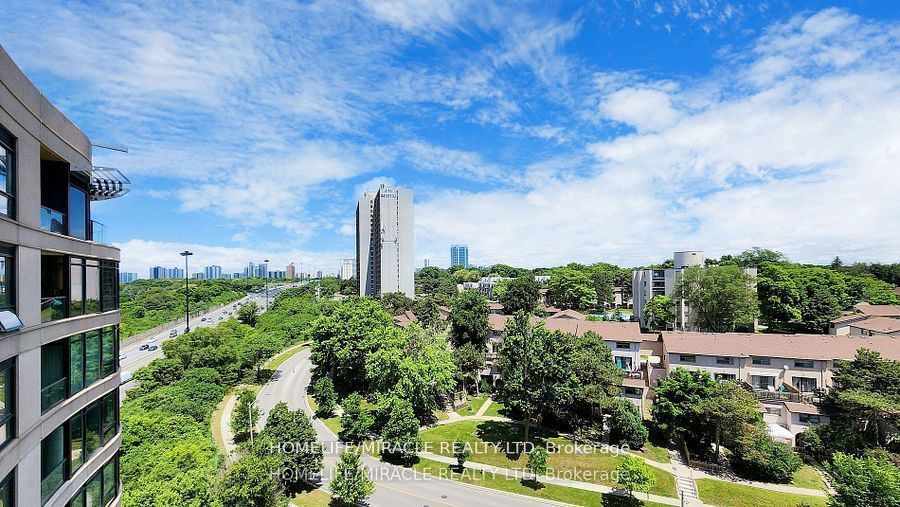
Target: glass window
{"x":7,"y":269}
{"x":109,"y":285}
{"x":762,"y":381}
{"x":623,"y":345}
{"x":76,"y":435}
{"x":92,"y":286}
{"x":91,"y":357}
{"x":76,"y":286}
{"x":92,"y":430}
{"x":77,"y":213}
{"x":109,"y":407}
{"x":724,"y":360}
{"x":7,"y":173}
{"x":6,"y":492}
{"x":805,"y":384}
{"x":110,"y":482}
{"x":76,"y":363}
{"x":810,"y":419}
{"x":764,"y":361}
{"x":53,"y":287}
{"x":54,"y":359}
{"x":109,"y":351}
{"x":93,"y":490}
{"x":803,"y":363}
{"x":7,"y":401}
{"x":687,"y":359}
{"x":53,"y":463}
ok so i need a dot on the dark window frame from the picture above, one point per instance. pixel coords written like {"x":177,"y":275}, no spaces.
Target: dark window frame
{"x":9,"y":142}
{"x":66,"y":343}
{"x":806,"y":364}
{"x":687,"y":358}
{"x":761,"y":360}
{"x":8,"y":367}
{"x":8,"y":487}
{"x":8,"y":252}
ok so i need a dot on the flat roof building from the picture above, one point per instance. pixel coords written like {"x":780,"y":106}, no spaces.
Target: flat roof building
{"x":384,"y":242}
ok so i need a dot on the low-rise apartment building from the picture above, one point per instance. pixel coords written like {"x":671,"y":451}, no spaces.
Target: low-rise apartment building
{"x":59,"y":309}
{"x":787,"y":373}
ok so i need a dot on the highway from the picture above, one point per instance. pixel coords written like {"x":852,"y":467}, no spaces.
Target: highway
{"x":135,"y":359}
{"x":394,"y":486}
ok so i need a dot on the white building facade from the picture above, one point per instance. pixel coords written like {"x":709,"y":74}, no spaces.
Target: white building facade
{"x":384,"y":242}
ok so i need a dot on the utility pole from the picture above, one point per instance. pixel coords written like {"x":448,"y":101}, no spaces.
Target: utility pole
{"x":267,"y":287}
{"x":187,"y":293}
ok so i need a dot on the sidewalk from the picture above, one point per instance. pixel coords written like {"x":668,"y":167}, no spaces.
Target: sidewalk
{"x":516,"y":474}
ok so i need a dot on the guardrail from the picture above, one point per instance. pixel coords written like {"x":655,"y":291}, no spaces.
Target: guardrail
{"x":173,"y":323}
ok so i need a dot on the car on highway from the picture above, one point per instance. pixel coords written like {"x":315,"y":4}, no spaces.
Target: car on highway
{"x":151,"y":339}
{"x":122,"y":355}
{"x":144,"y":346}
{"x":153,"y":347}
{"x":221,"y":317}
{"x":203,"y":319}
{"x":173,"y":333}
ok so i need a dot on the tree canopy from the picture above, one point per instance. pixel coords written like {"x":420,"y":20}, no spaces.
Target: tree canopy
{"x":721,"y":298}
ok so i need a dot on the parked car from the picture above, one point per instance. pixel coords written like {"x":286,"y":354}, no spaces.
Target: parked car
{"x":153,"y":347}
{"x":144,"y":347}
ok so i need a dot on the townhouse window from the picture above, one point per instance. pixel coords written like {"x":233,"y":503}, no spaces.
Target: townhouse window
{"x":803,"y":363}
{"x":805,"y":384}
{"x":7,"y":402}
{"x":7,"y":272}
{"x":810,"y":419}
{"x":687,"y":359}
{"x":762,"y":361}
{"x":623,"y":345}
{"x":7,"y":495}
{"x":724,"y":360}
{"x":631,"y":392}
{"x":762,"y":381}
{"x":773,"y":411}
{"x":7,"y":173}
{"x":725,"y":377}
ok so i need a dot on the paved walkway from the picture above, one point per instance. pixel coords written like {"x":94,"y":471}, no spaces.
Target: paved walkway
{"x":484,"y":407}
{"x":518,"y":474}
{"x":225,"y":427}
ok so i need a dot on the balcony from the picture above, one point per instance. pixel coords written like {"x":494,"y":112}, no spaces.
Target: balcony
{"x":765,"y":395}
{"x":53,"y":221}
{"x":53,"y":308}
{"x":98,"y":232}
{"x":53,"y":393}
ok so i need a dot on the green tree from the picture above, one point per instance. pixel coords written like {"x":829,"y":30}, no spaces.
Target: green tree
{"x":396,"y":303}
{"x":535,"y":365}
{"x":291,"y":432}
{"x":466,"y":275}
{"x":356,"y":421}
{"x":468,"y":362}
{"x":626,"y":426}
{"x":597,"y":376}
{"x":729,"y":410}
{"x":249,"y":483}
{"x":521,"y":294}
{"x":864,"y":482}
{"x":537,"y":462}
{"x":435,"y":282}
{"x":400,"y":435}
{"x":757,"y":457}
{"x":326,"y":397}
{"x":427,"y":312}
{"x":350,"y":483}
{"x":469,"y":320}
{"x":603,"y":279}
{"x":635,"y":475}
{"x":417,"y":367}
{"x":570,"y":289}
{"x":245,"y":414}
{"x":660,"y":312}
{"x":677,"y":405}
{"x":461,"y":453}
{"x":757,"y":256}
{"x":248,"y":313}
{"x":721,"y":298}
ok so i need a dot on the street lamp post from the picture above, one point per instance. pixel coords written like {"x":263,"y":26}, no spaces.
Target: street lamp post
{"x":267,"y":283}
{"x":187,"y":293}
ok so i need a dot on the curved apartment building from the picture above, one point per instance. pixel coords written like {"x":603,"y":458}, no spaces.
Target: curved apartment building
{"x":59,"y":309}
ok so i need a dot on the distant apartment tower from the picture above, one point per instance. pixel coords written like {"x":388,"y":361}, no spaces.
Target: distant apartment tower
{"x":647,"y":283}
{"x":290,"y":272}
{"x":157,"y":273}
{"x":127,"y":277}
{"x":212,"y":272}
{"x":384,"y":242}
{"x":175,"y":273}
{"x":59,"y":294}
{"x":347,"y":266}
{"x":262,"y":270}
{"x":459,"y":255}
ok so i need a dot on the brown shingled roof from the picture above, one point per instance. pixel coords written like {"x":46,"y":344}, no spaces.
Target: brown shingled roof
{"x":799,"y":346}
{"x":801,"y":408}
{"x":612,"y":331}
{"x":885,"y":325}
{"x":878,"y":310}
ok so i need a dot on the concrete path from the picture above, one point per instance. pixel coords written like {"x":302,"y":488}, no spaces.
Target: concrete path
{"x":484,"y":407}
{"x":225,"y":427}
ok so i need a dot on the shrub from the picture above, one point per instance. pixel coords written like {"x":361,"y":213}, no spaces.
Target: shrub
{"x":626,"y":426}
{"x":758,"y":457}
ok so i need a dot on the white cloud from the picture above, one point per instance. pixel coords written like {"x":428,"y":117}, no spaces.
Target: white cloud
{"x":805,"y":163}
{"x":418,"y":15}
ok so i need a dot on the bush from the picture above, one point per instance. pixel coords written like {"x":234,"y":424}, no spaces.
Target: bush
{"x":626,"y":426}
{"x":758,"y":457}
{"x":869,"y":481}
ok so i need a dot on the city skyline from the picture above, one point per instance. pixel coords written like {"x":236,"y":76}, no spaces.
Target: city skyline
{"x":595,"y":130}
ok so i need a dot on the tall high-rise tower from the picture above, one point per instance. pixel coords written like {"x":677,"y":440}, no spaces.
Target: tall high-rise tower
{"x":459,"y":255}
{"x":384,"y":242}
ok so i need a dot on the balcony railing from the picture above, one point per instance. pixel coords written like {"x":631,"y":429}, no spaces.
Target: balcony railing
{"x":53,"y":393}
{"x":765,"y":395}
{"x":98,"y":232}
{"x":53,"y":308}
{"x":52,"y":220}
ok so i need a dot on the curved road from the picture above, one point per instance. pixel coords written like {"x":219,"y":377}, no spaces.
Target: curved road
{"x":394,"y":486}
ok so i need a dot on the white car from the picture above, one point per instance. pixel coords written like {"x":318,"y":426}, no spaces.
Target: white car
{"x":122,"y":355}
{"x":151,"y":339}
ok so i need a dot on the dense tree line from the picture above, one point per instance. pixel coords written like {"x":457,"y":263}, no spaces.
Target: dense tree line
{"x":168,"y":453}
{"x":146,"y":304}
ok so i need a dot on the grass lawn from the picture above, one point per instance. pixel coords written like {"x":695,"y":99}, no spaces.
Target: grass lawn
{"x":727,"y":494}
{"x":494,"y":409}
{"x":332,"y":423}
{"x":654,"y":452}
{"x":279,"y":359}
{"x":493,"y":443}
{"x":440,"y":415}
{"x":808,"y":477}
{"x":547,"y":491}
{"x":475,"y":403}
{"x":311,"y":498}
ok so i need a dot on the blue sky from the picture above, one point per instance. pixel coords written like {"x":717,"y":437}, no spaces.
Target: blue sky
{"x":538,"y":133}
